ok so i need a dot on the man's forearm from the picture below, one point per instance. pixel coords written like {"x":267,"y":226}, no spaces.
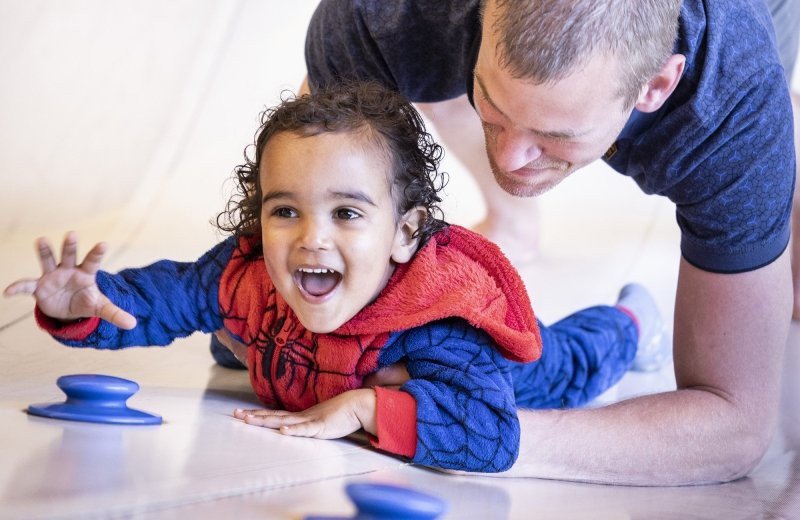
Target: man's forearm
{"x":673,"y":438}
{"x":730,"y":334}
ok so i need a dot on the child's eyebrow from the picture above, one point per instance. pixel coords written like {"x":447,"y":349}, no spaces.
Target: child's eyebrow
{"x":356,"y":195}
{"x":276,"y":195}
{"x":352,"y":195}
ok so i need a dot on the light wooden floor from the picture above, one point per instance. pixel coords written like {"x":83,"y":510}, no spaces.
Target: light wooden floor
{"x":122,"y":120}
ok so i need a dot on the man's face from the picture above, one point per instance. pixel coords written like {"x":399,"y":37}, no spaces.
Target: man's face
{"x":536,"y":135}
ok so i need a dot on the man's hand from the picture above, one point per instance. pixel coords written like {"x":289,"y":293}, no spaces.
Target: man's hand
{"x":67,"y":290}
{"x":337,"y":417}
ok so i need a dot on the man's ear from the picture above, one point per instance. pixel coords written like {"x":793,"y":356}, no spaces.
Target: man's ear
{"x":662,"y":85}
{"x":405,"y":243}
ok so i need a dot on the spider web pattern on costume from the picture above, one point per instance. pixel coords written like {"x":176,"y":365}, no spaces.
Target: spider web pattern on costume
{"x":466,"y":414}
{"x":293,"y":368}
{"x":586,"y":353}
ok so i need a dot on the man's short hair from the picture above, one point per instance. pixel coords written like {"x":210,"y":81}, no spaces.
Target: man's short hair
{"x":546,"y":40}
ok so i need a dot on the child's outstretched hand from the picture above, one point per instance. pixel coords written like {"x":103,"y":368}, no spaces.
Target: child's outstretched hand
{"x":337,"y":417}
{"x":68,"y":291}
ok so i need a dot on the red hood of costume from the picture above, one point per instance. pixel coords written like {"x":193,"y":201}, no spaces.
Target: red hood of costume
{"x":458,"y":273}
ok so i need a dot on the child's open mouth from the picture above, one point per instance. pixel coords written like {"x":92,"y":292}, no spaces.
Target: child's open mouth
{"x":317,"y":282}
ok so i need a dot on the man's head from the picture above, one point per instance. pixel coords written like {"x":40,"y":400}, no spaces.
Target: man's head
{"x":544,"y":41}
{"x":556,"y":80}
{"x":343,"y":186}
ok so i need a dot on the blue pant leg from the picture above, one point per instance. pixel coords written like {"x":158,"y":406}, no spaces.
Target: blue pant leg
{"x":582,"y":356}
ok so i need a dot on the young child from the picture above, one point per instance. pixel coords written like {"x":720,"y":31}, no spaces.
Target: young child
{"x":338,"y":267}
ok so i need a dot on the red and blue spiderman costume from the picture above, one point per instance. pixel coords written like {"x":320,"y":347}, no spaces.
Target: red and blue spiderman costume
{"x":458,"y":316}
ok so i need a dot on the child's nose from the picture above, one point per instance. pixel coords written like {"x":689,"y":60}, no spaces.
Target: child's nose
{"x":315,"y":235}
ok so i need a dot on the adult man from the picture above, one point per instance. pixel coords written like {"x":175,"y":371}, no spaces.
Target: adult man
{"x":690,"y":100}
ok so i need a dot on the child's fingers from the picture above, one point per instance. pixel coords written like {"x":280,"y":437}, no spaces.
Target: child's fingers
{"x":91,"y":263}
{"x":69,"y":250}
{"x":111,"y":313}
{"x":298,"y":424}
{"x":239,"y":413}
{"x":26,"y":286}
{"x":312,"y":428}
{"x":46,"y":258}
{"x":273,"y":419}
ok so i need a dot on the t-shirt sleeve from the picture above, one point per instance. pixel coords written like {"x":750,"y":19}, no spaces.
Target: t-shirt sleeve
{"x":733,"y":204}
{"x":423,"y":49}
{"x":721,"y":148}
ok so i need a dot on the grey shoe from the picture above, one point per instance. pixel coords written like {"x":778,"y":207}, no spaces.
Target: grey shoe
{"x":654,"y":349}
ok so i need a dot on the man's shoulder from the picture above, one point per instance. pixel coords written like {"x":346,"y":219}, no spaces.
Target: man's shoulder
{"x":732,"y":70}
{"x":398,"y":16}
{"x":725,"y":42}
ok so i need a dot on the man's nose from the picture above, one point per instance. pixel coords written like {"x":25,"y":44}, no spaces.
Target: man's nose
{"x":514,"y":149}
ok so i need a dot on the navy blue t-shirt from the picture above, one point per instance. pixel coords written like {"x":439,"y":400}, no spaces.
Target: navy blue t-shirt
{"x":721,"y":147}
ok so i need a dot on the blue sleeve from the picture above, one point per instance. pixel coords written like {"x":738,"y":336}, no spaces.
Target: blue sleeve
{"x":169,"y":299}
{"x":466,"y":414}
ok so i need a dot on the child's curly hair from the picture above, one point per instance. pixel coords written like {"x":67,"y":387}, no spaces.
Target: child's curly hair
{"x":368,"y":108}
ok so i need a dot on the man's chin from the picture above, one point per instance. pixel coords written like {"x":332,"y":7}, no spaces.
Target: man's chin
{"x":522,"y":188}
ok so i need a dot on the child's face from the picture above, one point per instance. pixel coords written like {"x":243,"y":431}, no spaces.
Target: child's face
{"x":329,"y":226}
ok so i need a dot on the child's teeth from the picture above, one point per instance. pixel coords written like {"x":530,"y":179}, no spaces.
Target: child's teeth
{"x":316,"y":271}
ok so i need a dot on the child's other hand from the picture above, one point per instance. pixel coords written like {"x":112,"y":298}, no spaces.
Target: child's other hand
{"x":237,"y":348}
{"x":337,"y":417}
{"x":391,"y":376}
{"x":67,"y":290}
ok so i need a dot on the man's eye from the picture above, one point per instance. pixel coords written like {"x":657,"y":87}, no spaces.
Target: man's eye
{"x":346,"y":214}
{"x":485,"y":110}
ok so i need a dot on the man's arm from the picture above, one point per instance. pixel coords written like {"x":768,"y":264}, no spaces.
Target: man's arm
{"x":730,"y":335}
{"x":796,"y":209}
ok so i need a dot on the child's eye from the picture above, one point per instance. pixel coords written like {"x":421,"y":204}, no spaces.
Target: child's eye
{"x":346,"y":214}
{"x":284,"y":212}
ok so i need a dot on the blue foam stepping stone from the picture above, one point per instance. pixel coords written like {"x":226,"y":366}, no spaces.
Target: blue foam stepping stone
{"x":387,"y":502}
{"x":95,"y":398}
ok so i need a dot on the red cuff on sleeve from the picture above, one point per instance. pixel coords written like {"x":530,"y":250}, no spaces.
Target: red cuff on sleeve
{"x":396,"y":420}
{"x":630,"y":314}
{"x":77,"y":330}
